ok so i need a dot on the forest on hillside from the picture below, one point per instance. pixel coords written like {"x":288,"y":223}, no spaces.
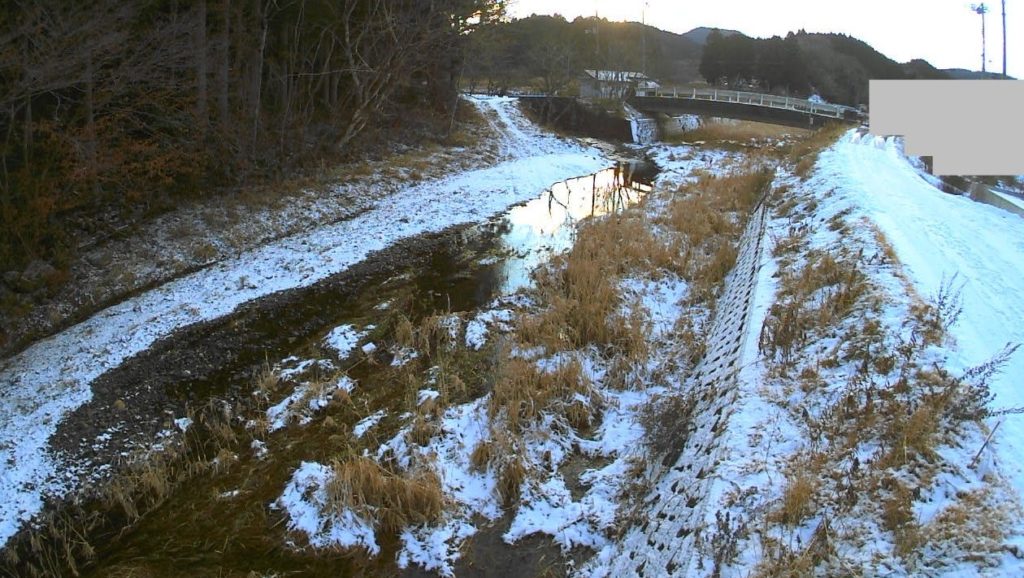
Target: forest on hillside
{"x":123,"y":108}
{"x":549,"y":53}
{"x":834,"y":66}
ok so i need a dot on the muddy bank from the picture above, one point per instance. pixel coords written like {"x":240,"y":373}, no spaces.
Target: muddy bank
{"x":134,"y":405}
{"x":216,"y":359}
{"x":458,"y":269}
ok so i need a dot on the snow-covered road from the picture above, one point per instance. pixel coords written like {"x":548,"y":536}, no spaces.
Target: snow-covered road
{"x":52,"y":378}
{"x":938,"y":236}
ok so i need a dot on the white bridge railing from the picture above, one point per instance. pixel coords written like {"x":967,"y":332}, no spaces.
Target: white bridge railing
{"x":758,"y":99}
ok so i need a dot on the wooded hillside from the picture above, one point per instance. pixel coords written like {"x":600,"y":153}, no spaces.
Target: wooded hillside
{"x":123,"y":107}
{"x":548,"y":52}
{"x":835,"y":66}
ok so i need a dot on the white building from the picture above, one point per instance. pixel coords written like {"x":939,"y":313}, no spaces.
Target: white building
{"x":615,"y":84}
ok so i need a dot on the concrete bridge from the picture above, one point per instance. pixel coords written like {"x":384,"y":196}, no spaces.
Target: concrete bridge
{"x":788,"y":111}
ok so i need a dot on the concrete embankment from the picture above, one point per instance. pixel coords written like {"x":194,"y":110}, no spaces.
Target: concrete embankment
{"x":572,"y":115}
{"x":671,"y":540}
{"x":990,"y":196}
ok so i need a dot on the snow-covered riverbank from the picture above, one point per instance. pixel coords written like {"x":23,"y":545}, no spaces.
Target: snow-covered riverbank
{"x":857,"y":449}
{"x":51,"y":378}
{"x":818,"y":418}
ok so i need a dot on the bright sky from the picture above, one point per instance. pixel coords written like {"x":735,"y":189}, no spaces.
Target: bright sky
{"x":944,"y":32}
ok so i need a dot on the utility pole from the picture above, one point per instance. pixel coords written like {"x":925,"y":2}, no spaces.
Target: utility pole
{"x":643,"y":38}
{"x":1004,"y":39}
{"x":981,"y":9}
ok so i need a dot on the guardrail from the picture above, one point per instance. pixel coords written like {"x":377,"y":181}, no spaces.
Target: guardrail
{"x":758,"y":99}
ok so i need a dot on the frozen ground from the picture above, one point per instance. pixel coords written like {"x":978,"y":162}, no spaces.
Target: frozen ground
{"x":745,"y":452}
{"x":575,"y":509}
{"x":716,"y":510}
{"x":942,"y":238}
{"x":50,"y":379}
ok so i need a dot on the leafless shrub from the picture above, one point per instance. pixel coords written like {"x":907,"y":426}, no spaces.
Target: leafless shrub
{"x":938,"y":316}
{"x":823,"y":292}
{"x":725,"y":539}
{"x":667,"y":421}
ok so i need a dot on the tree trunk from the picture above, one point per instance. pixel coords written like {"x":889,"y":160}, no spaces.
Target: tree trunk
{"x":223,"y":72}
{"x":257,"y":80}
{"x":90,"y":126}
{"x":202,"y":107}
{"x":29,"y":128}
{"x":26,"y":139}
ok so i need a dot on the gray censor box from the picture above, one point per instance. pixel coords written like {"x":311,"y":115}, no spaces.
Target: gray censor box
{"x":968,"y":127}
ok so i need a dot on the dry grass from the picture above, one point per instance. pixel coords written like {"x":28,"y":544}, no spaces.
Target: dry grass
{"x":710,"y":216}
{"x":61,"y":544}
{"x":422,"y":431}
{"x":265,"y":383}
{"x":888,"y":396}
{"x":804,"y":153}
{"x":579,"y":415}
{"x":816,"y":297}
{"x":581,"y":307}
{"x":436,"y":335}
{"x":690,"y":332}
{"x":798,"y":498}
{"x":805,"y":559}
{"x":740,"y":131}
{"x":887,"y":252}
{"x":789,"y":244}
{"x":579,"y":290}
{"x":523,"y":391}
{"x":898,"y":518}
{"x":974,"y":527}
{"x":482,"y":455}
{"x":667,"y":423}
{"x":511,"y":476}
{"x":404,"y":332}
{"x":392,"y":501}
{"x":780,"y":561}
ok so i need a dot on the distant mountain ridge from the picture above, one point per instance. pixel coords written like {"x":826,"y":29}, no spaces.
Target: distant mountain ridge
{"x":701,"y":33}
{"x":549,"y":53}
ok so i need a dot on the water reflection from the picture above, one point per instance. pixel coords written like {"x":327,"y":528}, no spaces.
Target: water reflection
{"x":534,"y":232}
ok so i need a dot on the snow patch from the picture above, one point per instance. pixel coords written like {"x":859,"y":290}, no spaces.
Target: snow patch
{"x":478,"y":327}
{"x":343,"y":340}
{"x":364,"y":425}
{"x":304,"y":402}
{"x":305,"y":500}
